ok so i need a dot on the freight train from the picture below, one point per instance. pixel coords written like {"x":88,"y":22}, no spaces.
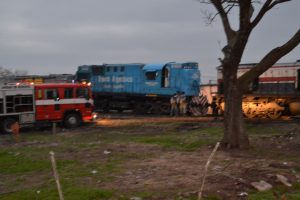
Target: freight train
{"x":274,"y":93}
{"x":143,"y":88}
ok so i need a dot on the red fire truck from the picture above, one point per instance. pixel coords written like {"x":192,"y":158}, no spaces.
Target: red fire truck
{"x":27,"y":104}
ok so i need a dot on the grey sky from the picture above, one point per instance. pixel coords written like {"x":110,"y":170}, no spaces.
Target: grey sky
{"x":56,"y":36}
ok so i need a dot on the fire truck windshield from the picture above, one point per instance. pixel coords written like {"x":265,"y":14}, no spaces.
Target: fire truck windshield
{"x":82,"y":93}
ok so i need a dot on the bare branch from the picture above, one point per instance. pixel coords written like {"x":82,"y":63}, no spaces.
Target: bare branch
{"x":269,"y":4}
{"x":204,"y":1}
{"x":209,"y":17}
{"x":228,"y":8}
{"x":270,"y":59}
{"x":227,"y":28}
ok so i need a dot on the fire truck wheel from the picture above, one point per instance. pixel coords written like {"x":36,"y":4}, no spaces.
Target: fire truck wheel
{"x":72,"y":120}
{"x":6,"y":125}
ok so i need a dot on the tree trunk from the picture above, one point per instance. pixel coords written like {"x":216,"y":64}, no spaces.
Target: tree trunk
{"x":234,"y":129}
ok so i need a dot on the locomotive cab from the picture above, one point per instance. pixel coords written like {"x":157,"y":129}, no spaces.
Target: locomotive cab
{"x":168,"y":78}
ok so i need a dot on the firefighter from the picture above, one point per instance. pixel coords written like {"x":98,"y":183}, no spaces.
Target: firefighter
{"x":174,"y":105}
{"x":15,"y":130}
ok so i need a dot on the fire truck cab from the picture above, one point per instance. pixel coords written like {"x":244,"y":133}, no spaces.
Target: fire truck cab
{"x":28,"y":104}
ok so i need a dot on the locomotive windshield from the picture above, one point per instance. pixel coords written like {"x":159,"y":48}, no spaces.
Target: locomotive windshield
{"x":83,"y":77}
{"x":97,"y":70}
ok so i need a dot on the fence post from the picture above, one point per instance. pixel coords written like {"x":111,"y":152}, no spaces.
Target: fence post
{"x":53,"y":128}
{"x":206,"y":169}
{"x":52,"y":156}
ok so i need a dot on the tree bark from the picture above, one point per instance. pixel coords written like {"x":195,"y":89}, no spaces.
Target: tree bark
{"x":234,"y":129}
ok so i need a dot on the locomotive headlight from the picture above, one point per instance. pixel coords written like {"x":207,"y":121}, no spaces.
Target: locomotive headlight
{"x":89,"y":84}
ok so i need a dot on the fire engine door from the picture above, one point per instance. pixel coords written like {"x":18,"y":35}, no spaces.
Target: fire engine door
{"x":49,"y":107}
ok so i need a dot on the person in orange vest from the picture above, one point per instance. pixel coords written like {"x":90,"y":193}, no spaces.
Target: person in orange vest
{"x":15,"y":129}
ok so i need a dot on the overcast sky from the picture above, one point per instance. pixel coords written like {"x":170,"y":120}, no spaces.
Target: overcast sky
{"x":56,"y":36}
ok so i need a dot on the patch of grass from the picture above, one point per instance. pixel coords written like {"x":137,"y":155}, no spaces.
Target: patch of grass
{"x":292,"y":193}
{"x":80,"y":192}
{"x":189,"y":141}
{"x":12,"y":162}
{"x":49,"y":192}
{"x":262,"y":196}
{"x":297,"y":168}
{"x":166,"y":141}
{"x":213,"y":131}
{"x":255,"y":130}
{"x":212,"y":197}
{"x":144,"y":194}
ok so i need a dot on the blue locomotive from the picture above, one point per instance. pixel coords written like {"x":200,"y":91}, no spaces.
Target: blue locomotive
{"x":143,"y":88}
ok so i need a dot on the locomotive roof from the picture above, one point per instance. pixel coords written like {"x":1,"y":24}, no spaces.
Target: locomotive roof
{"x":154,"y":67}
{"x":124,"y":64}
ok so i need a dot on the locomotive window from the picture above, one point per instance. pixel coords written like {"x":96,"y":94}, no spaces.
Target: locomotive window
{"x":51,"y":94}
{"x":68,"y":93}
{"x":122,"y":69}
{"x":83,"y":76}
{"x":150,"y":75}
{"x":108,"y":69}
{"x":97,"y":70}
{"x":115,"y":69}
{"x":82,"y":93}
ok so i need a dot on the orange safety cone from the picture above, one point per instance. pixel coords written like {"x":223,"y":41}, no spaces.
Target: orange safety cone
{"x":15,"y":128}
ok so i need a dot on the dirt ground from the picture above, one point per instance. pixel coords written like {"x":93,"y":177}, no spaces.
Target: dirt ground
{"x":231,"y":171}
{"x":180,"y":173}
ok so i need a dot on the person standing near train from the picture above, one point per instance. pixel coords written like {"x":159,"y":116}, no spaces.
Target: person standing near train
{"x":215,"y":109}
{"x":182,"y":104}
{"x":174,"y":105}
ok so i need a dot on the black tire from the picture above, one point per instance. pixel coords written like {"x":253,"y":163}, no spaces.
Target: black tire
{"x":72,"y":120}
{"x":6,"y":124}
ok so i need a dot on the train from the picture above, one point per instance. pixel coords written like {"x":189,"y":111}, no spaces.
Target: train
{"x":143,"y":88}
{"x":274,"y":93}
{"x":147,"y":88}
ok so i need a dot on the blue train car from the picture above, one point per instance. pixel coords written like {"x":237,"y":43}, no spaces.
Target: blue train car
{"x":144,"y":88}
